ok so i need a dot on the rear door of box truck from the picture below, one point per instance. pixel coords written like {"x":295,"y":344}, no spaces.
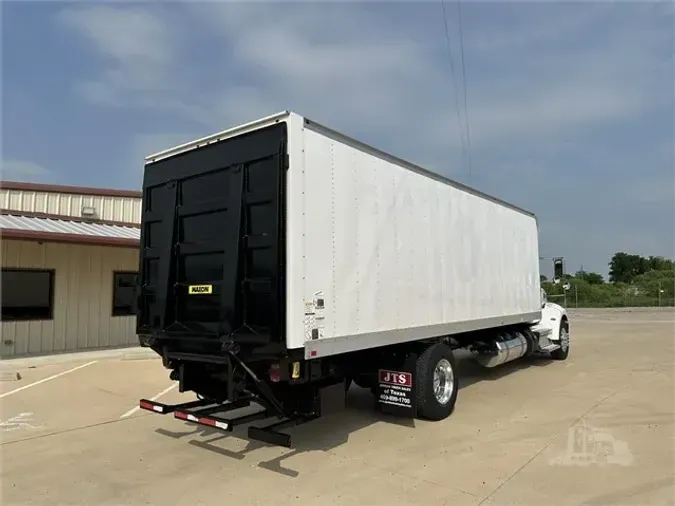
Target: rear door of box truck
{"x":212,"y":243}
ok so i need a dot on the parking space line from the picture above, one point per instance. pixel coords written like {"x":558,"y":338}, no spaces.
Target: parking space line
{"x":47,"y":379}
{"x":137,"y":408}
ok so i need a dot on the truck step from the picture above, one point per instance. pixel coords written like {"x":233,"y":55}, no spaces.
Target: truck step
{"x":550,"y":347}
{"x":218,"y":422}
{"x":270,"y":435}
{"x":544,"y":332}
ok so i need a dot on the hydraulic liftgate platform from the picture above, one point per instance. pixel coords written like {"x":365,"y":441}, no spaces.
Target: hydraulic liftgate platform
{"x":202,"y":412}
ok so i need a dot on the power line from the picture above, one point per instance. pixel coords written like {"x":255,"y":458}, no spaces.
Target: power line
{"x":466,"y":109}
{"x":452,"y":74}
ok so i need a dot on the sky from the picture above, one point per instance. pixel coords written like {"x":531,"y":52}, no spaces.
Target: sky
{"x":569,"y":105}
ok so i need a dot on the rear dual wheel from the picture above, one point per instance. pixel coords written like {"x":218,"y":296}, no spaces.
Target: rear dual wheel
{"x":437,"y":384}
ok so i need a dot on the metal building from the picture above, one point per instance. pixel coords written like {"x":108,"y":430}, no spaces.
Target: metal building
{"x":69,"y":261}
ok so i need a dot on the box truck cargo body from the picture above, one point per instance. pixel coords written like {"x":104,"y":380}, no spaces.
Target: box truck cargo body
{"x":311,"y":260}
{"x":398,"y":255}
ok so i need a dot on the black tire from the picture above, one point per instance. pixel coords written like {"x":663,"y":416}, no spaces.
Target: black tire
{"x":563,"y":352}
{"x":428,"y":405}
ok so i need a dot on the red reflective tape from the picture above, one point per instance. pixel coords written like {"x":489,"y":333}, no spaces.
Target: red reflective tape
{"x":201,"y":420}
{"x":151,"y":406}
{"x":214,"y":423}
{"x":185,"y":416}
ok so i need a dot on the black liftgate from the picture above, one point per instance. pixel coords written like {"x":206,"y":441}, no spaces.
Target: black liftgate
{"x":212,"y":246}
{"x":212,"y":265}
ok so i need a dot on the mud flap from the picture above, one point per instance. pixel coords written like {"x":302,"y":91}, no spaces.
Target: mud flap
{"x":396,"y":390}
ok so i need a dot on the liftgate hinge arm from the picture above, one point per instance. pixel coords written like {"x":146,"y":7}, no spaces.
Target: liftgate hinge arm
{"x":262,"y":387}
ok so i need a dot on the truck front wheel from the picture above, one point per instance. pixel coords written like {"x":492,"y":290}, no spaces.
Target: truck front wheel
{"x":563,"y":352}
{"x":437,"y":384}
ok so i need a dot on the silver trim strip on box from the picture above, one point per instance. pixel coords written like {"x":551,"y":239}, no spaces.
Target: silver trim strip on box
{"x":333,"y":346}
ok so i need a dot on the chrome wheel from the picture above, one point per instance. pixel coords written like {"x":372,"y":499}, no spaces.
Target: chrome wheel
{"x":444,"y":381}
{"x":564,"y":339}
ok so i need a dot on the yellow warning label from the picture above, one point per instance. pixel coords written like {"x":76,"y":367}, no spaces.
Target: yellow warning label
{"x":200,"y":289}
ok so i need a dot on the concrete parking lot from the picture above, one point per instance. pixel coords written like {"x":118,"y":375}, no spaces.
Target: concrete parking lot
{"x":594,"y":430}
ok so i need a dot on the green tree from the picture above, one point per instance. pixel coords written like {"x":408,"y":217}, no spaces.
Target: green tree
{"x":624,"y":267}
{"x":660,"y":264}
{"x":592,"y":278}
{"x":651,"y":282}
{"x":636,"y":281}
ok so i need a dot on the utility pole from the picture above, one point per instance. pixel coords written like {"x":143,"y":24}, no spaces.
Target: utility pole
{"x":576,"y":297}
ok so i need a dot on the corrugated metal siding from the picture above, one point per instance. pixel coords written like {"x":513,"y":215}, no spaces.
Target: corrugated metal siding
{"x":83,"y":289}
{"x":68,"y":227}
{"x":122,"y":209}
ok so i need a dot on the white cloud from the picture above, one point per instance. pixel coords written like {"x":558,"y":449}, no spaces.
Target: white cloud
{"x":351,"y":66}
{"x":22,"y":170}
{"x":547,"y":112}
{"x":137,"y":49}
{"x":540,"y":84}
{"x":397,"y":85}
{"x":125,"y":34}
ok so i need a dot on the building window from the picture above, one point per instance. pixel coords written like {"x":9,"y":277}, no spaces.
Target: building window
{"x":124,"y":293}
{"x":27,"y":294}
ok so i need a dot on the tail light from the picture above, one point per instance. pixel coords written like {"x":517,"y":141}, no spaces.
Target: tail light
{"x":275,"y":373}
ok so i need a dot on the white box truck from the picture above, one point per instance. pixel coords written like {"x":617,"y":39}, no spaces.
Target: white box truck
{"x":281,"y":261}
